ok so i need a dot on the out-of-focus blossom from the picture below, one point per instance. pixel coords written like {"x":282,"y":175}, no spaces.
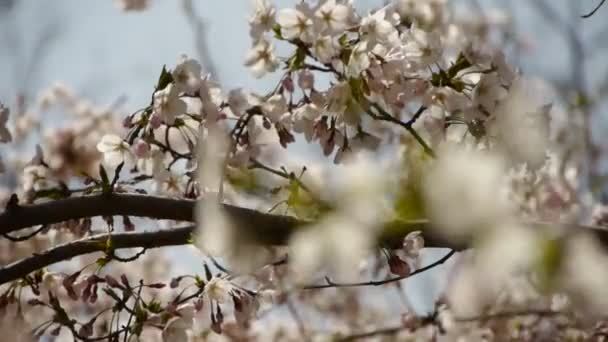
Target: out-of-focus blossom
{"x":331,"y":17}
{"x":521,"y":123}
{"x":463,"y":191}
{"x":238,"y":101}
{"x":219,"y":289}
{"x":262,"y":19}
{"x":420,"y":47}
{"x":176,"y":329}
{"x":168,"y":105}
{"x":297,"y":23}
{"x":114,"y":149}
{"x":36,"y":177}
{"x":261,"y":58}
{"x":187,"y":74}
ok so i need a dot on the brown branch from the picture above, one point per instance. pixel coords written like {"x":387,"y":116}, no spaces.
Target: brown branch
{"x":264,"y":228}
{"x":511,"y":314}
{"x":260,"y":227}
{"x":97,"y":243}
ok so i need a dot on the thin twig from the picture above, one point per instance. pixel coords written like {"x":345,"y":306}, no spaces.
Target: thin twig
{"x":594,"y":10}
{"x":332,"y":284}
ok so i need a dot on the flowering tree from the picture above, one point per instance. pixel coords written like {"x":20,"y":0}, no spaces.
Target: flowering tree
{"x":432,"y":140}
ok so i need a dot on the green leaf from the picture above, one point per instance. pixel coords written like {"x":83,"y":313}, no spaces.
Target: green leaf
{"x":116,"y":175}
{"x":208,"y":274}
{"x":105,"y":181}
{"x":276,"y":29}
{"x":103,"y":261}
{"x":199,"y":282}
{"x":550,"y":260}
{"x":409,"y":201}
{"x":154,"y":306}
{"x":297,"y":60}
{"x":164,"y":79}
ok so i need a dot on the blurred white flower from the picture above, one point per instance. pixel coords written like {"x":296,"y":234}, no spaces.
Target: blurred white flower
{"x":338,"y":242}
{"x":325,"y":48}
{"x":275,"y":107}
{"x":375,"y":28}
{"x":520,"y":123}
{"x":304,"y":120}
{"x":152,"y":163}
{"x":296,"y":23}
{"x":167,"y":183}
{"x":584,"y":274}
{"x":5,"y":134}
{"x":331,"y":17}
{"x":488,"y":92}
{"x":168,"y":105}
{"x":114,"y":149}
{"x":261,"y":58}
{"x":420,"y":47}
{"x":463,"y":191}
{"x":262,"y":19}
{"x":176,"y":329}
{"x":187,"y":74}
{"x":359,"y":60}
{"x":219,"y":289}
{"x":238,"y":101}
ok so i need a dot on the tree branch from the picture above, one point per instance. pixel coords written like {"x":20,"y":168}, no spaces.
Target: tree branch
{"x":260,"y":227}
{"x":264,"y":228}
{"x":97,"y":243}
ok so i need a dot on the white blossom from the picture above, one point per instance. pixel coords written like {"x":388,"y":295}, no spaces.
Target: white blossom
{"x":331,"y":17}
{"x":420,"y":47}
{"x":304,"y":120}
{"x":262,"y":19}
{"x":219,"y":289}
{"x":359,"y":60}
{"x":489,"y":92}
{"x":238,"y":101}
{"x":114,"y":149}
{"x":375,"y":28}
{"x":296,"y":23}
{"x":168,"y":105}
{"x":325,"y":48}
{"x":187,"y":74}
{"x":176,"y":329}
{"x":261,"y":58}
{"x":275,"y":107}
{"x":520,"y":123}
{"x":36,"y":178}
{"x":463,"y":191}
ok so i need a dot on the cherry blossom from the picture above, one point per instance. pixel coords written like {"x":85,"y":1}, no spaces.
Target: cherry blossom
{"x":261,"y":58}
{"x":114,"y":149}
{"x":187,"y":74}
{"x":168,"y":105}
